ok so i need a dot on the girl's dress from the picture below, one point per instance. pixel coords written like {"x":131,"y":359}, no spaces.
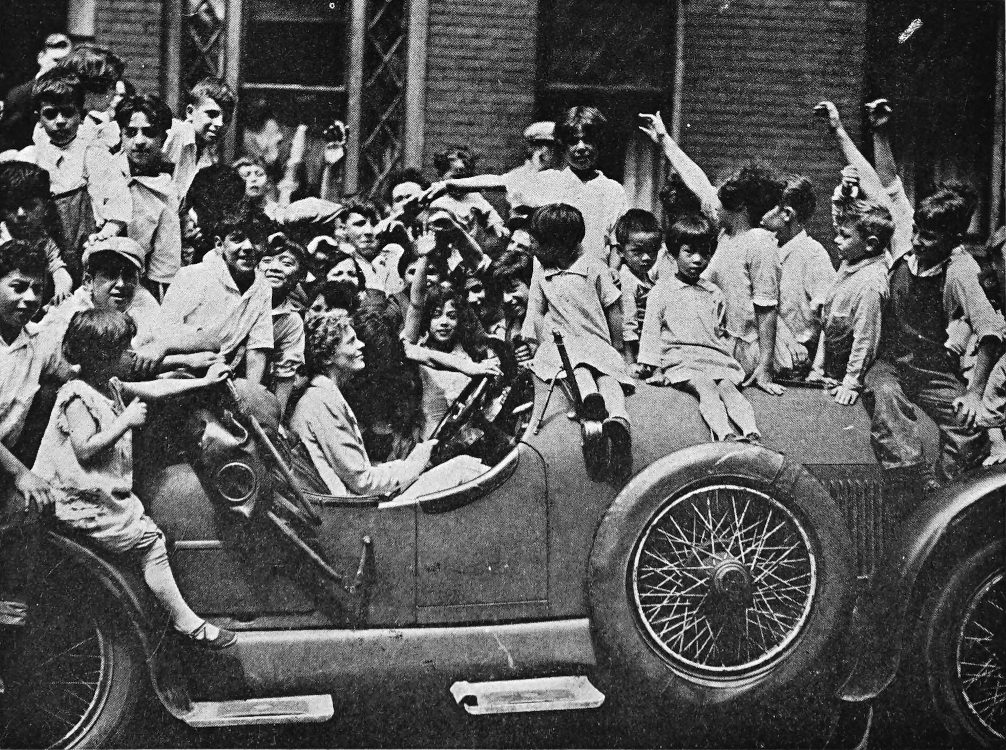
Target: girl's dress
{"x":97,"y":500}
{"x":684,"y":333}
{"x":573,"y":300}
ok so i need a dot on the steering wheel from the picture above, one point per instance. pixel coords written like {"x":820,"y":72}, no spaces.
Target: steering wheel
{"x":465,"y":405}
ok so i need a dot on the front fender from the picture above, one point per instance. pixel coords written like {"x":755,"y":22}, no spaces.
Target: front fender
{"x":968,"y":508}
{"x":127,"y":588}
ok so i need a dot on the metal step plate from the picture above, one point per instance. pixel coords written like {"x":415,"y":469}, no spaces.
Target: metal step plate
{"x":523,"y":696}
{"x":294,"y":709}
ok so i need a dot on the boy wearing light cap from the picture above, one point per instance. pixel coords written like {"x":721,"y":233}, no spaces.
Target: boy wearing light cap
{"x":112,"y":271}
{"x":539,"y":138}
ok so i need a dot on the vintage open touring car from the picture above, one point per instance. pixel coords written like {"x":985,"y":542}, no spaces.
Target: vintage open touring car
{"x":724,"y":585}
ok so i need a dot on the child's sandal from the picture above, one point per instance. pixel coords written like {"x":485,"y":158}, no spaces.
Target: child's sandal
{"x":225,"y":638}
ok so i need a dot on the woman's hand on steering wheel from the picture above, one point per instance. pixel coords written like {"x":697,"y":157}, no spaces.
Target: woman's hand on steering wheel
{"x":422,"y":453}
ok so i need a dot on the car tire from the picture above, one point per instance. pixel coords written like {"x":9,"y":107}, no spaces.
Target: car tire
{"x":85,"y":667}
{"x":685,"y":549}
{"x":963,"y":640}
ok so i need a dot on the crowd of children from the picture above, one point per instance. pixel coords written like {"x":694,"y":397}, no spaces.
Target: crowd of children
{"x":129,"y":251}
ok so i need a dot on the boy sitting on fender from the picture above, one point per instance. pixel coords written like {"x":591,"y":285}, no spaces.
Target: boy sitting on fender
{"x":932,"y":288}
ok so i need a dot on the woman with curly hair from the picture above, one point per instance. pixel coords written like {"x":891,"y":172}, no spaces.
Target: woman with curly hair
{"x":328,"y":427}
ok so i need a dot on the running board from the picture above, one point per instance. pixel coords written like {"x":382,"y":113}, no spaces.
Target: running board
{"x":523,"y":696}
{"x":294,"y":709}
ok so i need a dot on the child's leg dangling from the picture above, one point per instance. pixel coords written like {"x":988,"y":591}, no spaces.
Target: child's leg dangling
{"x":711,"y":406}
{"x":739,"y":409}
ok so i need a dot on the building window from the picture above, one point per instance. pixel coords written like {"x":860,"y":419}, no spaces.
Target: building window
{"x":308,"y":62}
{"x":617,"y":55}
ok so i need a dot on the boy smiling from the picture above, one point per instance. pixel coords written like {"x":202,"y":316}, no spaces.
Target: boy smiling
{"x":226,"y":296}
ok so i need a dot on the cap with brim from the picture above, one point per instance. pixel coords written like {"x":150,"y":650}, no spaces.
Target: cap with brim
{"x":57,"y":41}
{"x":540,"y":131}
{"x":121,"y":246}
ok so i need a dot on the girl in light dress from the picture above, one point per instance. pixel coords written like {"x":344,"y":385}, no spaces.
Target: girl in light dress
{"x":575,"y":293}
{"x":86,"y":453}
{"x":684,"y":341}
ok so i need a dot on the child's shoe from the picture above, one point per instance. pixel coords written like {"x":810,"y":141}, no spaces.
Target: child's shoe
{"x":198,"y":637}
{"x":752,"y":437}
{"x":616,"y":429}
{"x":594,"y":408}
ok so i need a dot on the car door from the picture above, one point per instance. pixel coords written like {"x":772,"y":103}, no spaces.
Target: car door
{"x":486,"y":559}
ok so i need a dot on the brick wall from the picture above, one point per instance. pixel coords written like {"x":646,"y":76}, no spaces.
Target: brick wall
{"x":133,"y":30}
{"x":481,"y":78}
{"x":754,"y":70}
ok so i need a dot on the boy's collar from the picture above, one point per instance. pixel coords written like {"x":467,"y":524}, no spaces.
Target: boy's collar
{"x":913,"y":265}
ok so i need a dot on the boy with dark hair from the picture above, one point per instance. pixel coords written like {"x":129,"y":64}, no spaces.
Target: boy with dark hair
{"x":192,"y":143}
{"x":933,"y":288}
{"x":807,"y":275}
{"x":91,"y":194}
{"x":358,"y":224}
{"x":27,"y":355}
{"x":579,"y":183}
{"x":144,"y":123}
{"x":26,"y":212}
{"x":854,"y":304}
{"x":226,"y":295}
{"x":284,"y":265}
{"x":99,"y":71}
{"x":638,"y":241}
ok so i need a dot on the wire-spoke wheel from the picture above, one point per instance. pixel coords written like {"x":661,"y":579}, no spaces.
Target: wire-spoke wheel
{"x":965,"y":648}
{"x":980,"y":667}
{"x":81,"y":670}
{"x":720,"y":580}
{"x":723,"y":580}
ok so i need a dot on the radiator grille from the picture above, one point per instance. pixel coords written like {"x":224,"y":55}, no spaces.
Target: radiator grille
{"x":868,"y":521}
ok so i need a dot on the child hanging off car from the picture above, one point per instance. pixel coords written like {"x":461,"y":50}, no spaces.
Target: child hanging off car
{"x":86,"y":454}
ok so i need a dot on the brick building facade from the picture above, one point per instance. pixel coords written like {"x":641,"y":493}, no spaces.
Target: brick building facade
{"x":744,"y":76}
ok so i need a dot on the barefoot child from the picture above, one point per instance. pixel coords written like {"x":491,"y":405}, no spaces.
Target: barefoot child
{"x":86,"y":453}
{"x":684,"y":336}
{"x":576,"y":294}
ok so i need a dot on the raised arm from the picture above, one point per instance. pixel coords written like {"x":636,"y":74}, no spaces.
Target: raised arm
{"x":869,"y":180}
{"x":879,"y":114}
{"x":691,"y":173}
{"x":424,"y":245}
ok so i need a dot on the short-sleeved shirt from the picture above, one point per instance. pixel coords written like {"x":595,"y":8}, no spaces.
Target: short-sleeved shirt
{"x":852,"y":313}
{"x":155,"y":225}
{"x":684,"y":332}
{"x":205,"y":297}
{"x":746,"y":269}
{"x":288,"y":340}
{"x":84,"y":163}
{"x":34,"y":354}
{"x":807,"y":275}
{"x":601,"y":200}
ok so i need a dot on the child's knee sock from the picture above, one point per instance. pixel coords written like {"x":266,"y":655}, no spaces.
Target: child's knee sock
{"x":585,"y":381}
{"x":157,"y":573}
{"x":614,"y":397}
